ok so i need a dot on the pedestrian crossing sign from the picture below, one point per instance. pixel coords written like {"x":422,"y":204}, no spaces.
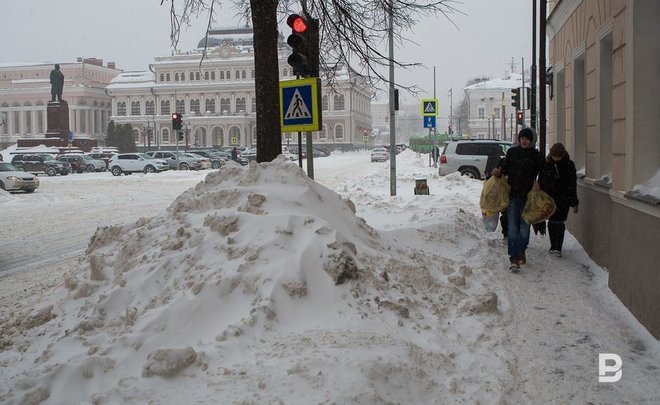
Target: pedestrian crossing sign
{"x":299,"y":105}
{"x":429,"y":107}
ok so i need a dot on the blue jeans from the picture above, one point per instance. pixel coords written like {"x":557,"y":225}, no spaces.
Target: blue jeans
{"x":518,"y":235}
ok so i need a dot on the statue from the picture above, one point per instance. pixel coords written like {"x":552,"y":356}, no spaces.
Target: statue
{"x":57,"y":83}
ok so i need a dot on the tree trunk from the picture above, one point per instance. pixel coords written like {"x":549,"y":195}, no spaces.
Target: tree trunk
{"x":269,"y":134}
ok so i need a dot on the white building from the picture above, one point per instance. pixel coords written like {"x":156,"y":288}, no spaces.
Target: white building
{"x":489,"y":101}
{"x":216,"y":95}
{"x":25,"y":92}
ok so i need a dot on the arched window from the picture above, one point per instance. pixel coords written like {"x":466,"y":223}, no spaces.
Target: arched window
{"x":324,"y":132}
{"x":210,"y":106}
{"x":206,"y":75}
{"x":326,"y":107}
{"x":228,"y":75}
{"x":135,"y":107}
{"x":238,"y":74}
{"x":162,"y":77}
{"x":225,"y":106}
{"x":217,"y":136}
{"x":243,"y":74}
{"x":339,"y":132}
{"x":183,"y":77}
{"x":192,"y":76}
{"x":165,"y":107}
{"x":197,"y":76}
{"x":194,"y":105}
{"x":181,"y":106}
{"x":121,"y":108}
{"x":240,"y":104}
{"x":176,"y":77}
{"x":213,"y":75}
{"x":149,"y":108}
{"x":285,"y":72}
{"x":165,"y":135}
{"x":167,"y":77}
{"x":222,"y":75}
{"x":339,"y":102}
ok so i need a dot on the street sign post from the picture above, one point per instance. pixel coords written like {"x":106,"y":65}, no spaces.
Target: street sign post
{"x":299,"y":105}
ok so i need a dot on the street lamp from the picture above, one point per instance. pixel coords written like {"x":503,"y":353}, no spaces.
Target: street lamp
{"x":147,"y":132}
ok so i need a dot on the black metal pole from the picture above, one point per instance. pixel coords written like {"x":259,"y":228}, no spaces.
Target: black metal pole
{"x":532,"y":100}
{"x":542,"y":88}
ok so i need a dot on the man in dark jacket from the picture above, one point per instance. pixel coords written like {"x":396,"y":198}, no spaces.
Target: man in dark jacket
{"x":558,"y":178}
{"x":522,"y":165}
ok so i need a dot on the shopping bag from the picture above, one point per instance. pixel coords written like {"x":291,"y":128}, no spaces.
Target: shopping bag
{"x":495,"y":194}
{"x":490,"y":219}
{"x":539,"y":207}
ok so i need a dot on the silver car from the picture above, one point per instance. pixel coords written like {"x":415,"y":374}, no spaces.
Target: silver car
{"x":177,"y":160}
{"x":469,"y":156}
{"x":13,"y":179}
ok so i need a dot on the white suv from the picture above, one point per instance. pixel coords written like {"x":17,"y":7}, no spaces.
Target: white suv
{"x":128,"y":163}
{"x":469,"y":156}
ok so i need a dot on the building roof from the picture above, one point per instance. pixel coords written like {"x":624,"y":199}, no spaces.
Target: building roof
{"x":510,"y":81}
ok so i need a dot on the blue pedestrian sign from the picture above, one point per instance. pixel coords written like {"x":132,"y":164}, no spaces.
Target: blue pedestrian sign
{"x":429,"y":122}
{"x":299,"y":105}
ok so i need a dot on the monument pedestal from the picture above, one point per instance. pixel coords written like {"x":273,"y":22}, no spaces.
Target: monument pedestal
{"x":57,"y":116}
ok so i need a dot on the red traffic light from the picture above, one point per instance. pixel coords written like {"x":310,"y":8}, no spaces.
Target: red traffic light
{"x":175,"y":116}
{"x":297,"y":23}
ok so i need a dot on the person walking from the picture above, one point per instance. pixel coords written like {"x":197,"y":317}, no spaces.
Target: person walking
{"x":494,"y":157}
{"x":522,"y":165}
{"x":558,"y":178}
{"x":234,"y":154}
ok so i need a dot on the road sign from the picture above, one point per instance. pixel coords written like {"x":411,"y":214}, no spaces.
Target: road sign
{"x":299,"y":105}
{"x":429,"y":122}
{"x":429,"y":107}
{"x":234,"y":140}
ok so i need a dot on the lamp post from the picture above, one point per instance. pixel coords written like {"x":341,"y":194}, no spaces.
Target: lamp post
{"x":187,"y":133}
{"x":147,"y":133}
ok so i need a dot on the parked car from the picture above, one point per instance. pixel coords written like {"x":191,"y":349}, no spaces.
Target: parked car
{"x":250,"y":154}
{"x":177,"y":160}
{"x":94,"y":165}
{"x":127,"y":163}
{"x":36,"y":164}
{"x":380,"y":155}
{"x":14,"y":179}
{"x":217,"y":158}
{"x":469,"y":156}
{"x":76,"y":161}
{"x":104,"y":156}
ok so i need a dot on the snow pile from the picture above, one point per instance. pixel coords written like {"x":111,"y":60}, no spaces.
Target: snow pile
{"x":255,"y":284}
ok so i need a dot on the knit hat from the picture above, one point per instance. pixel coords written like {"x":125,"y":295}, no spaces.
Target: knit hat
{"x":529,"y":133}
{"x":558,"y":150}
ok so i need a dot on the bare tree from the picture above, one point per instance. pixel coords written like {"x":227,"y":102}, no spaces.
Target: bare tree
{"x":352,"y":33}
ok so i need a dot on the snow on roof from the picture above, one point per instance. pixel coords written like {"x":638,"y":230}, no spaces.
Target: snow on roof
{"x":508,"y":82}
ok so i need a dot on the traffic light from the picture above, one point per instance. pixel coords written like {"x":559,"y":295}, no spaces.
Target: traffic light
{"x":299,"y":58}
{"x":180,"y":135}
{"x":519,"y":118}
{"x":515,"y":98}
{"x":177,"y":120}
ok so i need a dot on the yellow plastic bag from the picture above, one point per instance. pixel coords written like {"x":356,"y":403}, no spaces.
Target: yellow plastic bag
{"x":539,"y":207}
{"x":495,"y":194}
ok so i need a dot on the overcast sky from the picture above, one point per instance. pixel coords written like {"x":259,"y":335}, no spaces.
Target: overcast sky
{"x":132,"y":32}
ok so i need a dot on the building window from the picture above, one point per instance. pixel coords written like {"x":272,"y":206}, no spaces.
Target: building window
{"x":28,"y":122}
{"x":481,"y":114}
{"x":40,"y":122}
{"x":192,"y":76}
{"x":240,"y":104}
{"x":339,"y":102}
{"x":149,"y":108}
{"x":121,"y":109}
{"x":339,"y":132}
{"x":243,"y":74}
{"x":210,"y":106}
{"x":222,"y":75}
{"x":135,"y":108}
{"x":237,"y":74}
{"x":165,"y":107}
{"x":228,"y":75}
{"x":176,"y":77}
{"x":325,"y":103}
{"x":206,"y":75}
{"x":194,"y":105}
{"x":167,"y":77}
{"x":324,"y":132}
{"x":285,"y":72}
{"x":252,"y":75}
{"x":165,"y":135}
{"x":497,"y":112}
{"x":197,"y":76}
{"x":254,"y":104}
{"x":225,"y":107}
{"x":180,"y":106}
{"x":162,"y":77}
{"x":213,"y":75}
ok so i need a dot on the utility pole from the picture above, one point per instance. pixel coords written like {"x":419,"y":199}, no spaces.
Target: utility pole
{"x":523,"y":93}
{"x":542,"y":96}
{"x":392,"y":124}
{"x":532,"y":98}
{"x":503,"y":117}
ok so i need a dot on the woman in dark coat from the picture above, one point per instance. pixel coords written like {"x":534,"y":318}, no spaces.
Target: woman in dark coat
{"x":558,"y":178}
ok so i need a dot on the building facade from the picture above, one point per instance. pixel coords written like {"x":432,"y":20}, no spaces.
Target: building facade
{"x":490,"y":113}
{"x":605,"y":58}
{"x":25,"y":93}
{"x":214,"y":89}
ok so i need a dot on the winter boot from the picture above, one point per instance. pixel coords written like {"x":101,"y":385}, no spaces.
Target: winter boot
{"x":556,"y":233}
